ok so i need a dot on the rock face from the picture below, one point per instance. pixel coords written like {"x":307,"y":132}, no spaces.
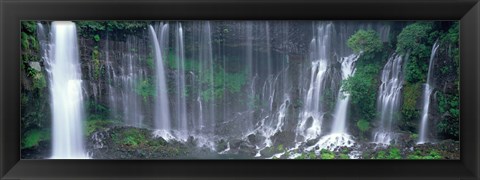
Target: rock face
{"x":135,"y":143}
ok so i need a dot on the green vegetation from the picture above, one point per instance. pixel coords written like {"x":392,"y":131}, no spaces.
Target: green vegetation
{"x":232,"y":82}
{"x":307,"y":155}
{"x":326,"y":154}
{"x":418,"y":155}
{"x":214,"y":82}
{"x":30,"y":53}
{"x":393,"y":153}
{"x":189,"y":64}
{"x":33,"y":137}
{"x":39,"y":80}
{"x":96,"y":37}
{"x":363,"y":87}
{"x":366,"y":41}
{"x":95,"y":29}
{"x":448,"y":106}
{"x":97,"y":68}
{"x":96,"y":125}
{"x":410,"y":112}
{"x":34,"y":103}
{"x":344,"y":156}
{"x":413,"y":38}
{"x":150,"y":62}
{"x":363,"y":125}
{"x":132,"y":138}
{"x":146,"y":89}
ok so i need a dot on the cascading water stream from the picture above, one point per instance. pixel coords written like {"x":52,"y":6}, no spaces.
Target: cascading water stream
{"x":181,"y":106}
{"x":312,"y":116}
{"x":426,"y":98}
{"x":389,"y":97}
{"x":341,"y":107}
{"x":162,"y":111}
{"x":66,"y":93}
{"x":206,"y":123}
{"x":338,"y":136}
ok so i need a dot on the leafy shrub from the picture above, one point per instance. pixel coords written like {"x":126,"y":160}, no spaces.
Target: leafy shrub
{"x":39,"y":80}
{"x":432,"y":155}
{"x":363,"y":125}
{"x":393,"y":153}
{"x":326,"y":154}
{"x":381,"y":155}
{"x":414,"y":73}
{"x":96,"y":37}
{"x":344,"y":156}
{"x":362,"y":88}
{"x":366,"y":41}
{"x":413,"y":37}
{"x":145,"y":89}
{"x":33,"y":137}
{"x":449,"y":124}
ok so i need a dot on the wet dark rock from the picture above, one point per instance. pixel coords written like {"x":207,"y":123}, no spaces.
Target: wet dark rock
{"x":284,"y":138}
{"x":221,"y":145}
{"x":252,"y":138}
{"x":311,"y":142}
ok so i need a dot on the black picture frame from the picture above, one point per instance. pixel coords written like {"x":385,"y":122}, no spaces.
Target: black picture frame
{"x":13,"y":11}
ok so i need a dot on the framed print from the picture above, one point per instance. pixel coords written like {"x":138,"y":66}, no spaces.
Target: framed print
{"x":304,"y":89}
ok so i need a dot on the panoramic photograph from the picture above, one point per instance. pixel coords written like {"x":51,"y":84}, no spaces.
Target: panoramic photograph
{"x":242,"y":89}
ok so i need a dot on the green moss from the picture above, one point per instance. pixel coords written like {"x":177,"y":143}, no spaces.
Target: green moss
{"x":132,"y":138}
{"x":33,"y":137}
{"x":363,"y":125}
{"x":94,"y":125}
{"x":146,"y":89}
{"x":96,"y":37}
{"x":326,"y":154}
{"x":413,"y":136}
{"x":221,"y":80}
{"x":150,"y":62}
{"x":393,"y":153}
{"x":418,"y":155}
{"x":344,"y":156}
{"x":97,"y":69}
{"x":410,"y":112}
{"x":38,"y":78}
{"x":381,"y":155}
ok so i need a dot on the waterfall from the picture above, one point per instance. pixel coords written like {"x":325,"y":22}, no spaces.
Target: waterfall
{"x":251,"y":74}
{"x":339,"y":137}
{"x":206,"y":123}
{"x":312,"y":115}
{"x":125,"y":74}
{"x":341,"y":107}
{"x":426,"y":98}
{"x":66,"y":92}
{"x":161,"y":110}
{"x":388,"y":101}
{"x":181,"y":106}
